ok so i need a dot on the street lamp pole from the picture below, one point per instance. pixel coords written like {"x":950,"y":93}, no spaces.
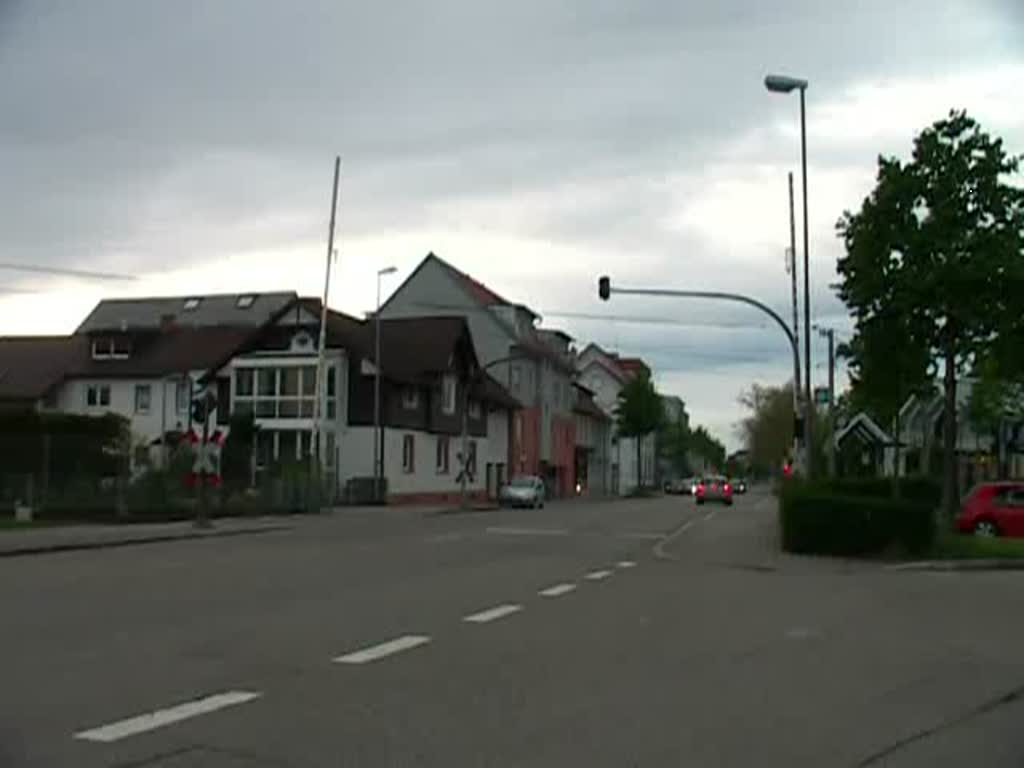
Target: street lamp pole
{"x":786,"y":84}
{"x":605,"y":290}
{"x":378,"y":431}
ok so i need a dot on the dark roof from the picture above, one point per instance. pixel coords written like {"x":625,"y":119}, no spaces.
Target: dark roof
{"x":167,"y":352}
{"x":31,"y":365}
{"x":412,"y":347}
{"x":490,"y":391}
{"x":342,"y":330}
{"x":214,"y":310}
{"x":632,"y":365}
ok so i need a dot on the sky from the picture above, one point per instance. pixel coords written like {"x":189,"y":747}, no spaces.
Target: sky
{"x":535,"y":144}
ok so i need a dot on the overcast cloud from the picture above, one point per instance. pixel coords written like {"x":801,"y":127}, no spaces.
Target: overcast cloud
{"x":533,"y":144}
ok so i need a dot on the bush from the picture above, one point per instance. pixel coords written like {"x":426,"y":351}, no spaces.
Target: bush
{"x":816,"y":520}
{"x":918,"y":488}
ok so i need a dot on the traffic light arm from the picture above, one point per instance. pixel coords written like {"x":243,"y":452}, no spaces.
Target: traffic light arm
{"x":605,"y":290}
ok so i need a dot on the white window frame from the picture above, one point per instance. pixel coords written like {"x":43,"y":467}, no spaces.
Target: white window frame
{"x":408,"y":454}
{"x":410,"y":398}
{"x":442,"y":453}
{"x":105,"y":348}
{"x":448,"y":394}
{"x":148,"y":390}
{"x":97,"y":393}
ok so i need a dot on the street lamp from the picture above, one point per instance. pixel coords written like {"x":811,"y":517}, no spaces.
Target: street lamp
{"x":786,"y":84}
{"x":378,"y":430}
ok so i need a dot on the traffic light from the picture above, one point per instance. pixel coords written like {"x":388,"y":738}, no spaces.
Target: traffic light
{"x":604,"y":287}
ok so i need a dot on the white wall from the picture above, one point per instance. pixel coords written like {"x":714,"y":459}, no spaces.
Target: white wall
{"x":145,"y":427}
{"x":356,"y":457}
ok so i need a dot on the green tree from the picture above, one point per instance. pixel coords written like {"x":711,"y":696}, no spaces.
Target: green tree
{"x":706,"y":446}
{"x":936,"y":244}
{"x":638,"y":413}
{"x":767,"y":430}
{"x":674,"y":444}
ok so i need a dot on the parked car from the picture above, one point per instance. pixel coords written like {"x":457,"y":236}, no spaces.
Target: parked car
{"x":993,"y":509}
{"x":523,"y":491}
{"x":739,"y":485}
{"x":679,"y":486}
{"x":714,"y":488}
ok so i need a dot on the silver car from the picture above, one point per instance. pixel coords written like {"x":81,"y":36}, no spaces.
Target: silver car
{"x":523,"y":491}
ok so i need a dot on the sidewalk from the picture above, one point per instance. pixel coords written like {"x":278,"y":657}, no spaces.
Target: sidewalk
{"x":41,"y":540}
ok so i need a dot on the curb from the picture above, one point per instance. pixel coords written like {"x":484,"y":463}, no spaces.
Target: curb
{"x":994,"y":564}
{"x":76,"y":546}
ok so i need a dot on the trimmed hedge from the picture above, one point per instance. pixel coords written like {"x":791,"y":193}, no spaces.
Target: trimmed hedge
{"x":815,"y":519}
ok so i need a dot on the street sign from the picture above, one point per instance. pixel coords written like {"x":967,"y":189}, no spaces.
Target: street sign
{"x":821,"y":395}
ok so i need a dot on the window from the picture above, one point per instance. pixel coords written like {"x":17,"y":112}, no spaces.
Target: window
{"x":111,"y":348}
{"x":97,"y":395}
{"x":192,"y":304}
{"x":443,"y":446}
{"x":143,"y":395}
{"x":284,"y":392}
{"x":182,"y":394}
{"x":244,"y":382}
{"x":448,"y":394}
{"x":245,"y":301}
{"x":408,"y":454}
{"x":474,"y":409}
{"x":410,"y":398}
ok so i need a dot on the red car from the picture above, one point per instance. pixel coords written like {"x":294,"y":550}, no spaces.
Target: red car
{"x":713,"y":488}
{"x":993,"y":509}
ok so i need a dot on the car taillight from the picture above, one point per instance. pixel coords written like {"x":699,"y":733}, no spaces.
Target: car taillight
{"x":700,"y":488}
{"x":726,"y":487}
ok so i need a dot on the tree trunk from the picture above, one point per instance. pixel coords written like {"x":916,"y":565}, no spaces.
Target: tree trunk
{"x":950,"y":496}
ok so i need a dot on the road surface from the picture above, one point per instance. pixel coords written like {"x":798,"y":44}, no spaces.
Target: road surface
{"x":626,"y":633}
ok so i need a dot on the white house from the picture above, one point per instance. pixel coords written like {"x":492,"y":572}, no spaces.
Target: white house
{"x":605,"y":374}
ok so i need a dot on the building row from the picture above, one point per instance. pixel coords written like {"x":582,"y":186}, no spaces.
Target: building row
{"x":458,"y":365}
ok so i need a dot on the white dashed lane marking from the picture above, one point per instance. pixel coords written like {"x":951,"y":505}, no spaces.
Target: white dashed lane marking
{"x":374,"y":652}
{"x":625,"y":564}
{"x":492,"y":614}
{"x":557,"y":590}
{"x":162,"y":717}
{"x":597,"y":575}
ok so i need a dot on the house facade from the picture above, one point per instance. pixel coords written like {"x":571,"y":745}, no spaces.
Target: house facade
{"x":509,"y":348}
{"x":604,"y":375}
{"x":593,"y":444}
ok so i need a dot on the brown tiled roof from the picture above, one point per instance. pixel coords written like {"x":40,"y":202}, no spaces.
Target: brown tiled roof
{"x":31,"y":365}
{"x":632,"y":365}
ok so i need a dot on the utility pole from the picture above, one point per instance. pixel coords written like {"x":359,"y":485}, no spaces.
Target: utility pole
{"x":832,"y":402}
{"x":791,"y":266}
{"x":318,"y":389}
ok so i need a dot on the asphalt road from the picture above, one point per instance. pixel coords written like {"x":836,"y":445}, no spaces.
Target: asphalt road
{"x":627,"y":633}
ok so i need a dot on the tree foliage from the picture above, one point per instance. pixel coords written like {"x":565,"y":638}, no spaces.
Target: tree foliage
{"x":704,"y":445}
{"x":929,"y":260}
{"x":674,"y":444}
{"x":639,"y":412}
{"x":767,"y":430}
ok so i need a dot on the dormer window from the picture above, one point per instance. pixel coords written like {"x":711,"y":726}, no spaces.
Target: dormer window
{"x":245,"y":301}
{"x":192,"y":304}
{"x":111,"y":348}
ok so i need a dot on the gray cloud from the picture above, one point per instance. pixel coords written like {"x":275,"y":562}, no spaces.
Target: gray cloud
{"x":141,"y":134}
